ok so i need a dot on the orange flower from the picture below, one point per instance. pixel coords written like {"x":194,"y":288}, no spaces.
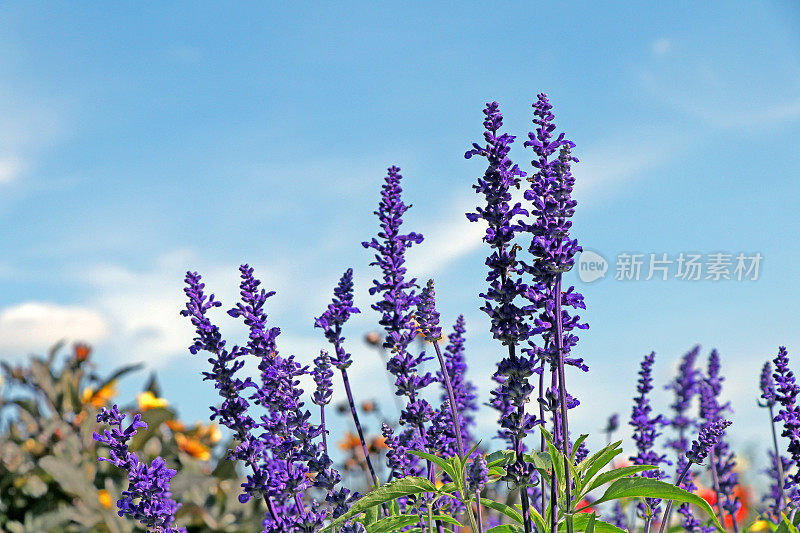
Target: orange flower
{"x":210,"y":432}
{"x":100,"y":398}
{"x":193,"y":447}
{"x":82,"y":351}
{"x":350,"y":442}
{"x":379,"y":443}
{"x":147,"y":400}
{"x":744,"y":497}
{"x":368,"y":406}
{"x":104,"y":498}
{"x":176,"y":426}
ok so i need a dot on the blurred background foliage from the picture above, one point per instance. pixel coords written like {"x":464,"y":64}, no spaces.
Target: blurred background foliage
{"x":50,"y":478}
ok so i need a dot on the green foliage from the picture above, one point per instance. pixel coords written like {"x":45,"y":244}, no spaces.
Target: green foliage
{"x":50,"y":478}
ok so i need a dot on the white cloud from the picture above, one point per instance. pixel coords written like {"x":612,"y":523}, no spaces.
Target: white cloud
{"x":11,"y":168}
{"x":142,"y":306}
{"x":32,"y":326}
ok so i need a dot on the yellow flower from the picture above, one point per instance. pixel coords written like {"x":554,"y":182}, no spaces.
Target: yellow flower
{"x":148,"y":400}
{"x":104,"y":498}
{"x":211,"y":432}
{"x":760,"y":525}
{"x":100,"y":398}
{"x":193,"y":447}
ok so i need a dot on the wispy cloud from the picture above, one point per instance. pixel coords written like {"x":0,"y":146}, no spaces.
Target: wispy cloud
{"x":32,"y":326}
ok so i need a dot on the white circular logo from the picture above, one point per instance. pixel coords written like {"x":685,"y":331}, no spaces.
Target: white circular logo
{"x":591,"y":266}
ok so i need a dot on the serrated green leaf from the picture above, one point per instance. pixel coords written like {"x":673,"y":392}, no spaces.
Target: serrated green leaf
{"x":642,"y":487}
{"x":386,"y":493}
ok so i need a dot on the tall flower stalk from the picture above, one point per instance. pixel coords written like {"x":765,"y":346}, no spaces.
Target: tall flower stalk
{"x":722,"y":460}
{"x":553,"y":252}
{"x":684,"y":388}
{"x":398,"y":298}
{"x":645,"y":431}
{"x":331,"y":321}
{"x":769,"y":399}
{"x":508,"y":319}
{"x":710,"y":433}
{"x":786,"y":391}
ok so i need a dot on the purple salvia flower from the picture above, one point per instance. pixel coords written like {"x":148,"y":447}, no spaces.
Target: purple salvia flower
{"x":508,"y":320}
{"x":684,"y":387}
{"x":646,"y":428}
{"x":285,"y":459}
{"x":427,"y":315}
{"x":463,"y":390}
{"x":322,"y":375}
{"x":722,"y":460}
{"x":398,"y":298}
{"x":331,"y":322}
{"x":710,"y":434}
{"x":777,"y":471}
{"x":147,"y":498}
{"x":478,"y":473}
{"x":774,"y":498}
{"x":786,"y":392}
{"x":336,"y":315}
{"x":767,"y":385}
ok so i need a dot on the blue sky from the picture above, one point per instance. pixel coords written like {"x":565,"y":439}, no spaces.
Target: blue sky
{"x":141,"y":141}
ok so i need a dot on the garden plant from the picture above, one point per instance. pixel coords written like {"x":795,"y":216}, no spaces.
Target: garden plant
{"x":428,"y":471}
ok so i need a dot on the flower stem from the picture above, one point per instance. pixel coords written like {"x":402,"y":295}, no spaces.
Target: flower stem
{"x":715,"y":480}
{"x":358,"y":426}
{"x":454,"y":415}
{"x":778,"y":462}
{"x":517,"y":441}
{"x":562,"y":394}
{"x":669,"y":503}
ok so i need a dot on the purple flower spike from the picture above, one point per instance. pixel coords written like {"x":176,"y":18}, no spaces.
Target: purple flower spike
{"x":789,"y":413}
{"x":767,"y":385}
{"x":147,"y":498}
{"x":398,"y":299}
{"x":463,"y":389}
{"x":508,"y":319}
{"x":709,"y":435}
{"x":478,"y":474}
{"x":723,"y":460}
{"x":335,"y":316}
{"x":646,"y":428}
{"x":322,"y":375}
{"x":427,"y":315}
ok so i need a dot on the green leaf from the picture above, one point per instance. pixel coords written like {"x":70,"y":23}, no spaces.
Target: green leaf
{"x":506,"y":528}
{"x":590,"y":525}
{"x":541,"y":460}
{"x":471,"y":451}
{"x":510,"y":512}
{"x":119,"y":373}
{"x":585,"y":521}
{"x":391,"y":524}
{"x":386,"y":493}
{"x":612,"y":475}
{"x":577,"y":445}
{"x":439,"y":461}
{"x":642,"y":487}
{"x":592,"y":464}
{"x":500,"y":458}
